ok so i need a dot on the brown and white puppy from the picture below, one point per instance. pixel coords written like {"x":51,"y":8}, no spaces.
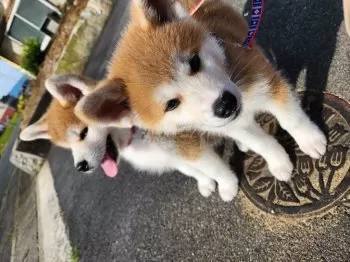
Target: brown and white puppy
{"x":95,"y":145}
{"x":183,"y":72}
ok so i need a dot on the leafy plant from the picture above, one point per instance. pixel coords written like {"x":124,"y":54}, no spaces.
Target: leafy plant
{"x":32,"y":56}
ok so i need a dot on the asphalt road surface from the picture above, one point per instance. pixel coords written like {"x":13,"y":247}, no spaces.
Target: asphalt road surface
{"x":140,"y":217}
{"x":9,"y":179}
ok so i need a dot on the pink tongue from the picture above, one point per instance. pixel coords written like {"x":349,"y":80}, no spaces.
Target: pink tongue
{"x":109,"y":166}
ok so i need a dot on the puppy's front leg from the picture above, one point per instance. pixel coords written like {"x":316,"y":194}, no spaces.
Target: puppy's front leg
{"x":214,"y":167}
{"x":265,"y":145}
{"x":206,"y":185}
{"x":293,"y":119}
{"x":241,"y":146}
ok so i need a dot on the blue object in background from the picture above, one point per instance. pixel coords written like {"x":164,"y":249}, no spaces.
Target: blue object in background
{"x":12,"y":80}
{"x":17,"y":89}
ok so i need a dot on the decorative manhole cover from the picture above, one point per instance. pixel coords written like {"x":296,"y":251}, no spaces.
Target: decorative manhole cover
{"x":316,"y":184}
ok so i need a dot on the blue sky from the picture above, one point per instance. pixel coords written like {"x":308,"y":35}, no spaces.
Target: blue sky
{"x":11,"y":79}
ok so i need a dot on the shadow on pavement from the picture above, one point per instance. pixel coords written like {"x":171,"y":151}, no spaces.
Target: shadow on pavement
{"x":301,"y":35}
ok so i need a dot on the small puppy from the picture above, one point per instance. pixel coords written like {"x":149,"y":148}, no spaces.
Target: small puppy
{"x":183,"y":72}
{"x":95,"y":145}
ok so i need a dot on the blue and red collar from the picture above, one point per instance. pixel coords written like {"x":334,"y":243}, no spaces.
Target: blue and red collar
{"x":255,"y":19}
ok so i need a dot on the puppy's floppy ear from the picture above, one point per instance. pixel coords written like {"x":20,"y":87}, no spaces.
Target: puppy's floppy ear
{"x":107,"y":105}
{"x":68,"y":89}
{"x":157,"y":12}
{"x":38,"y":130}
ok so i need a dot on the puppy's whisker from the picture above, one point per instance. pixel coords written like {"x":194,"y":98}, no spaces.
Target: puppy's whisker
{"x":241,"y":82}
{"x":238,"y":61}
{"x":245,"y":67}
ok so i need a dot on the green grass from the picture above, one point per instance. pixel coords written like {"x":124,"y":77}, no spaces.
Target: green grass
{"x":5,"y":137}
{"x":75,"y":254}
{"x":14,"y":119}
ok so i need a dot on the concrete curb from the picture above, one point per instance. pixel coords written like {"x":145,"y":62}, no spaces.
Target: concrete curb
{"x":29,"y":156}
{"x":54,"y":242}
{"x":24,"y":244}
{"x":29,"y":163}
{"x":39,"y":232}
{"x":13,"y":244}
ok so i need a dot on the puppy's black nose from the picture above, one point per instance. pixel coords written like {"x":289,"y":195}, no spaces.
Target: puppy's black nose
{"x":225,"y":105}
{"x":83,"y":166}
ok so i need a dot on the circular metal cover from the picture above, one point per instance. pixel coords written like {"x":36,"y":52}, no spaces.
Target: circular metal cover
{"x":315,"y":184}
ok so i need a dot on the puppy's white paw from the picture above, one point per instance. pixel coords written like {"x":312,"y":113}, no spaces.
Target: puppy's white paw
{"x":207,"y":187}
{"x":228,"y":190}
{"x":242,"y":147}
{"x":311,"y":140}
{"x":281,"y":168}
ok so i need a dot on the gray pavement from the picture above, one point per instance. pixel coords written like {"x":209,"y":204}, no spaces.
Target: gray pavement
{"x":6,"y":168}
{"x":7,"y":213}
{"x":139,"y":217}
{"x":9,"y":184}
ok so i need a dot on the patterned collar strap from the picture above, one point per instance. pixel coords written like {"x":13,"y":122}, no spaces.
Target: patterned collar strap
{"x":255,"y":19}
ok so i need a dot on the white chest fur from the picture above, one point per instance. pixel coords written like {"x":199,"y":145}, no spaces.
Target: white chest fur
{"x":148,"y":155}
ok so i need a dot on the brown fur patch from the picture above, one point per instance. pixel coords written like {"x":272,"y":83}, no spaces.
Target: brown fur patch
{"x":279,"y":89}
{"x":188,"y":145}
{"x":59,"y":119}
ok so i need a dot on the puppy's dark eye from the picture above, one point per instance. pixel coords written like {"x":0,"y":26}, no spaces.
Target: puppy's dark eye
{"x":195,"y":64}
{"x":83,"y":133}
{"x":172,"y":104}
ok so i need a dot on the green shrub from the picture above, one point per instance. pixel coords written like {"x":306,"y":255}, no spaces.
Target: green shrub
{"x":32,"y":56}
